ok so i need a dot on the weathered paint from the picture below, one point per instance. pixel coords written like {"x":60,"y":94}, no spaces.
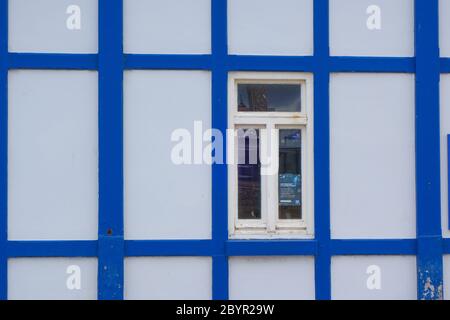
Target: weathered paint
{"x":428,"y":201}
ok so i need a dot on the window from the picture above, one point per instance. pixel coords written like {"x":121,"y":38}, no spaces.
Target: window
{"x":270,"y":155}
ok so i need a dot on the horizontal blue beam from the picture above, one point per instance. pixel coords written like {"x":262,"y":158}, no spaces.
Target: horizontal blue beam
{"x":271,"y":247}
{"x":139,"y":248}
{"x":81,"y":248}
{"x":203,"y":62}
{"x":446,"y":247}
{"x":374,"y":247}
{"x":51,"y":249}
{"x":445,"y":65}
{"x":270,"y":63}
{"x":168,"y":62}
{"x":372,"y":64}
{"x":52,"y":61}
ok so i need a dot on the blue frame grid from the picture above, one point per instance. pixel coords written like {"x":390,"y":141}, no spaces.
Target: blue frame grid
{"x":110,"y":62}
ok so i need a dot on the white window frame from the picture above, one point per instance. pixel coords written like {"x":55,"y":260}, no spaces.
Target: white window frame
{"x":270,"y":226}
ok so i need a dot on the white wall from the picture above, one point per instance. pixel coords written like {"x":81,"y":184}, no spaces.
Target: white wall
{"x":350,"y":36}
{"x":52,"y":155}
{"x":372,"y":156}
{"x":167,"y":26}
{"x":444,"y":27}
{"x":46,"y":278}
{"x":267,"y":278}
{"x":350,"y":274}
{"x":173,"y":278}
{"x":41,"y":26}
{"x":53,"y":151}
{"x":164,"y":200}
{"x":270,"y":27}
{"x":447,"y":277}
{"x":445,"y":130}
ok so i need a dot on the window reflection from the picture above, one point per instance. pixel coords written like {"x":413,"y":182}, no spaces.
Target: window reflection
{"x":249,"y":174}
{"x":289,"y":179}
{"x":269,"y":97}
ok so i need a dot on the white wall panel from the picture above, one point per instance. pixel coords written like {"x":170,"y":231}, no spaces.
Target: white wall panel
{"x":445,"y":130}
{"x":372,"y":156}
{"x":164,"y":200}
{"x":41,"y":26}
{"x":447,"y":277}
{"x":266,"y":278}
{"x":174,"y":278}
{"x":270,"y":27}
{"x":52,"y":155}
{"x":167,"y":26}
{"x":47,"y":279}
{"x":396,"y":275}
{"x":350,"y":35}
{"x":444,"y":27}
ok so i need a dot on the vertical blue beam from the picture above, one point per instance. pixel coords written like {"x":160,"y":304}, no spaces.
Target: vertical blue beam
{"x":322,"y":150}
{"x":3,"y":147}
{"x":429,"y":234}
{"x":219,"y":171}
{"x":110,"y":233}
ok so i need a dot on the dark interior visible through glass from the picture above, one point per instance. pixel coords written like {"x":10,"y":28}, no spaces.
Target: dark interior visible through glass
{"x":289,"y":177}
{"x":269,"y":97}
{"x":249,"y":174}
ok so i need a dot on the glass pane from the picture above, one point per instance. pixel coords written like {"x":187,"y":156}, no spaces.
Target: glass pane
{"x":249,"y":174}
{"x":269,"y":97}
{"x":290,"y":179}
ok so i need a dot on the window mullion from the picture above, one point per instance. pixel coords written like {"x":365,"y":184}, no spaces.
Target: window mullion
{"x":271,"y":176}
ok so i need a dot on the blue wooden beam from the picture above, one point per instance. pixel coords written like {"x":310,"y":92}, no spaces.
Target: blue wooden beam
{"x":270,"y":63}
{"x":110,"y":232}
{"x":219,"y":171}
{"x":276,"y":247}
{"x":372,"y":64}
{"x":53,"y":61}
{"x":374,"y":247}
{"x":82,"y":248}
{"x":428,"y":201}
{"x":271,"y":247}
{"x":446,"y":244}
{"x":142,"y":248}
{"x":445,"y":65}
{"x":168,"y":62}
{"x":204,"y":62}
{"x":322,"y":150}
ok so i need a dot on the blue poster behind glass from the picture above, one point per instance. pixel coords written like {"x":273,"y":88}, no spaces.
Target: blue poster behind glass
{"x":289,"y":189}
